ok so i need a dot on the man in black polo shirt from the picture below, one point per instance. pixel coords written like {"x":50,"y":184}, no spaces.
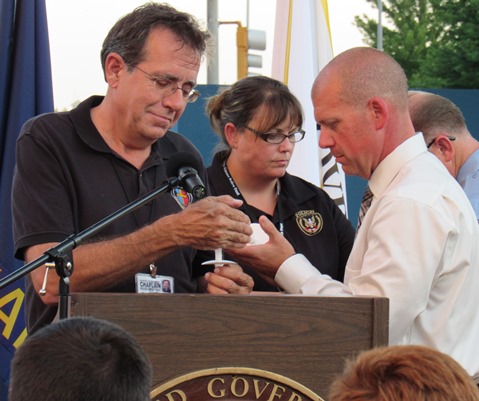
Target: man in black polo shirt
{"x":75,"y":168}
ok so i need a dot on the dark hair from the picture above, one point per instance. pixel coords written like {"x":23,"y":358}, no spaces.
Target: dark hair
{"x":129,"y":34}
{"x":239,"y":104}
{"x":80,"y":359}
{"x":404,"y":373}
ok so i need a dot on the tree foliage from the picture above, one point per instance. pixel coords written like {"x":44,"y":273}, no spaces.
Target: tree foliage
{"x":435,"y":41}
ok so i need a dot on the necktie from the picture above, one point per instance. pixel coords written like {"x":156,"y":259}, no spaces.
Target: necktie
{"x":365,"y":203}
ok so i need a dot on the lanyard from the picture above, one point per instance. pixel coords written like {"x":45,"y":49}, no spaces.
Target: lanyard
{"x":248,"y":210}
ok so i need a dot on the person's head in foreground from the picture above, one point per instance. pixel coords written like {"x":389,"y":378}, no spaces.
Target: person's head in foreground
{"x":80,"y":359}
{"x":403,"y":373}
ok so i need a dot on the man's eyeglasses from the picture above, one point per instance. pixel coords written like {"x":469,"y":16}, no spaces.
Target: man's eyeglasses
{"x":451,"y":138}
{"x":168,"y":86}
{"x":277,"y":137}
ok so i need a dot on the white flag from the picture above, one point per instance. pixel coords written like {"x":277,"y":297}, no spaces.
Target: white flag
{"x":302,"y":47}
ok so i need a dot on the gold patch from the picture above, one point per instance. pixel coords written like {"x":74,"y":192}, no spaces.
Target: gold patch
{"x":309,"y":221}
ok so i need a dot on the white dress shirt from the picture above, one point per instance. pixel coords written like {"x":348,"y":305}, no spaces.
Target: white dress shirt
{"x":418,"y":246}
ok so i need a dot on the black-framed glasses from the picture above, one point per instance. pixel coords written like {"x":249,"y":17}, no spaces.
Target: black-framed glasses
{"x":277,"y":137}
{"x":451,"y":138}
{"x":169,"y":86}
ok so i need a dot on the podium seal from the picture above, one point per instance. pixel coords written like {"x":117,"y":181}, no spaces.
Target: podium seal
{"x":228,"y":383}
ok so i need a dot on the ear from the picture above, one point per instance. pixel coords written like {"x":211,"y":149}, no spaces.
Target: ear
{"x":114,"y":64}
{"x":445,"y":146}
{"x":379,"y":111}
{"x":231,"y":135}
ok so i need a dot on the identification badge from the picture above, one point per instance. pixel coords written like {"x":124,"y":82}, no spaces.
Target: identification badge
{"x":145,"y":283}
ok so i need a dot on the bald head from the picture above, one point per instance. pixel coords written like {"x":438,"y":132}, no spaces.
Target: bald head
{"x":364,"y":72}
{"x":360,"y":102}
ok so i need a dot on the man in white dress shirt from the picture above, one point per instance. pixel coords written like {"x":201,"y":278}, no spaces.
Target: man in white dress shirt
{"x":418,"y":243}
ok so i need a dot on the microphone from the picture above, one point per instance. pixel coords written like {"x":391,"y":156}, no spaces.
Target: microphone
{"x":185,"y":166}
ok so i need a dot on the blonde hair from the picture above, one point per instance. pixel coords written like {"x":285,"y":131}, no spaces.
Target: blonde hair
{"x":403,"y":373}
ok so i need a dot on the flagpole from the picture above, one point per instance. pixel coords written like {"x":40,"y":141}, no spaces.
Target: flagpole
{"x":380,"y":26}
{"x":213,"y":59}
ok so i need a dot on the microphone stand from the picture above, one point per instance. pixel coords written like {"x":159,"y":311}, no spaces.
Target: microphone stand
{"x":61,"y":255}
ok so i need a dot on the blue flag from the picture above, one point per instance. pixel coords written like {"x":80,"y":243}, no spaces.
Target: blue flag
{"x":25,"y":91}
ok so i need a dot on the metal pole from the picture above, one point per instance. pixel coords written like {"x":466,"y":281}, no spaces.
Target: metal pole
{"x":213,"y":59}
{"x":380,"y":26}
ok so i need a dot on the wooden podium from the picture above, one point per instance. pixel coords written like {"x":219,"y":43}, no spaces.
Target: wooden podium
{"x":303,"y":338}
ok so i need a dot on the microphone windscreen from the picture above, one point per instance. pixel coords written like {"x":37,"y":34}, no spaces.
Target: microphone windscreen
{"x":182,"y":159}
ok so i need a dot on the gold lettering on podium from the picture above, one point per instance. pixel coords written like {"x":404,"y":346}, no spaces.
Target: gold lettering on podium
{"x":245,"y":384}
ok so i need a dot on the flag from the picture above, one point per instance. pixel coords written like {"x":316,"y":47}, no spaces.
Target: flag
{"x":302,"y":47}
{"x":25,"y":91}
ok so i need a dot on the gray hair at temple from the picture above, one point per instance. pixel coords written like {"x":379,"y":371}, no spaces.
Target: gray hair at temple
{"x":434,"y":114}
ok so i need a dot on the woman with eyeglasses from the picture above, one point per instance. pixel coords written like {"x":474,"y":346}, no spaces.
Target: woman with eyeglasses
{"x":259,"y":122}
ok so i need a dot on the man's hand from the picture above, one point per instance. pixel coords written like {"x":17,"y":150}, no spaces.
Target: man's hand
{"x":267,"y":258}
{"x":228,"y":279}
{"x":213,"y":222}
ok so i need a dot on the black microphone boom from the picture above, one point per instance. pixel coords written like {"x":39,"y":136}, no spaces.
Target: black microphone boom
{"x":185,"y":166}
